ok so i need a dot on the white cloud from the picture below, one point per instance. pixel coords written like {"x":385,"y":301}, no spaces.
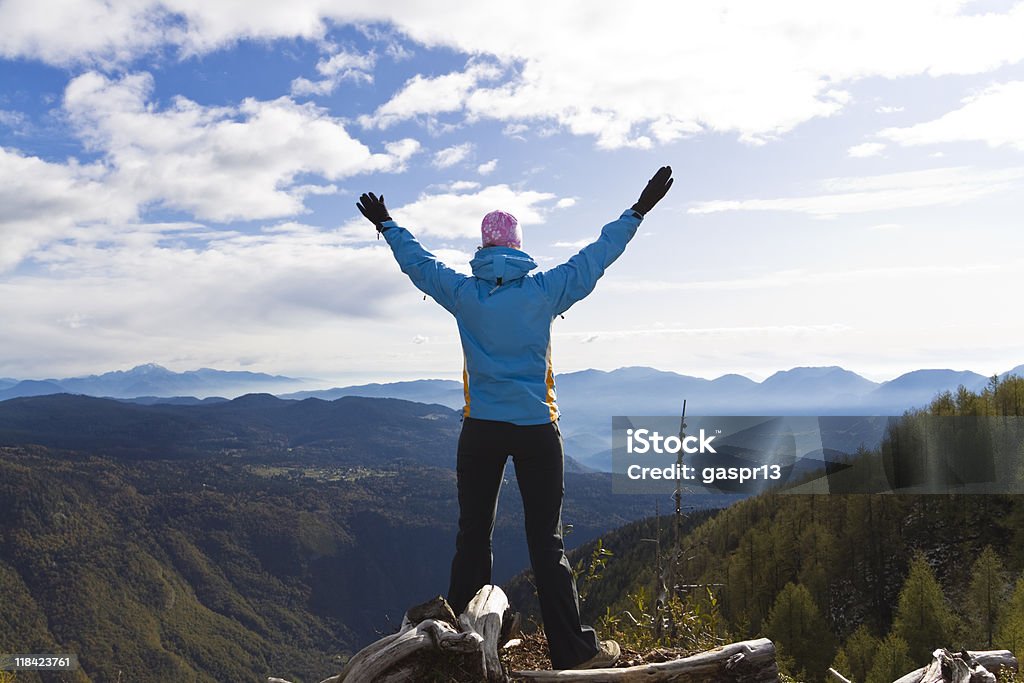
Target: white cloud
{"x":345,"y":64}
{"x":910,"y":189}
{"x":840,"y":96}
{"x":992,"y":116}
{"x":402,"y":150}
{"x":565,"y":203}
{"x":288,"y":266}
{"x":86,"y":30}
{"x":866,"y":149}
{"x":453,"y":215}
{"x":303,"y":86}
{"x":884,"y":109}
{"x":11,"y":119}
{"x":670,"y":129}
{"x":706,"y":79}
{"x":255,"y":160}
{"x":341,"y":66}
{"x":487,"y":167}
{"x":398,"y":52}
{"x":450,"y":156}
{"x":113,"y":294}
{"x":804,"y":278}
{"x":738,"y":66}
{"x":577,"y":244}
{"x":431,"y":95}
{"x":605,"y":335}
{"x":515,"y":130}
{"x":207,"y":26}
{"x":463,"y":185}
{"x":43,"y":201}
{"x":219,"y":163}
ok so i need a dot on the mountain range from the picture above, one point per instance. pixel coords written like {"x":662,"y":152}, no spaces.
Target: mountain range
{"x":153,"y":380}
{"x":588,"y":399}
{"x":787,"y":390}
{"x":647,"y":391}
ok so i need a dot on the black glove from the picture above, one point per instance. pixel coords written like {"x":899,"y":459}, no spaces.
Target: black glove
{"x":373,"y":209}
{"x":655,"y":190}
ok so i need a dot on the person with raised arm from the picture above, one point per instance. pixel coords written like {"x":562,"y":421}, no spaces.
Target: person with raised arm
{"x":504,"y":313}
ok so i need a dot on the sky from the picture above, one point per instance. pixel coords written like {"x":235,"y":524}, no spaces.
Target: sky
{"x":178,"y":181}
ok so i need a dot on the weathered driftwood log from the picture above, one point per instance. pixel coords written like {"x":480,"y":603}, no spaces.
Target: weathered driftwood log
{"x":432,"y":627}
{"x":838,"y":676}
{"x":483,"y":616}
{"x":749,"y":661}
{"x":962,"y":667}
{"x":472,"y":641}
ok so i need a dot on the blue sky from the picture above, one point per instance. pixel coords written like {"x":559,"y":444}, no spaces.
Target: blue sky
{"x":177,"y":181}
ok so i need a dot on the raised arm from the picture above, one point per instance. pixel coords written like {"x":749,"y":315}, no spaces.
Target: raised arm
{"x":576,"y":278}
{"x":424,"y":269}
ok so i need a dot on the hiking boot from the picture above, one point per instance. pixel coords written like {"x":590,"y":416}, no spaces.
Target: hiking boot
{"x":605,"y":657}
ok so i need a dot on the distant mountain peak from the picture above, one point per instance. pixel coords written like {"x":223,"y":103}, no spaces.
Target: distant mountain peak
{"x":149,"y":369}
{"x":804,"y":373}
{"x":638,"y":370}
{"x":256,"y":399}
{"x":733,"y":379}
{"x":811,"y":371}
{"x":935,"y":379}
{"x":1018,"y":371}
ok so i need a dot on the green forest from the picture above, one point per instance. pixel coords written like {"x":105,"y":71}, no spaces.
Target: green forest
{"x":868,"y":584}
{"x":233,"y":542}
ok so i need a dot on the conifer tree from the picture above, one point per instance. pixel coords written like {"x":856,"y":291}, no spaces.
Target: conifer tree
{"x":1010,"y":627}
{"x":891,"y":661}
{"x":923,"y":620}
{"x":860,"y":652}
{"x":841,"y":663}
{"x":816,"y":553}
{"x":795,"y":624}
{"x":985,"y":595}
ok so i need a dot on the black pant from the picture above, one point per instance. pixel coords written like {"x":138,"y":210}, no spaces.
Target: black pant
{"x":536,"y":450}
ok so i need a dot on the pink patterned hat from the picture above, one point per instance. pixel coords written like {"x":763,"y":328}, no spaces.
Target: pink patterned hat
{"x":501,"y":229}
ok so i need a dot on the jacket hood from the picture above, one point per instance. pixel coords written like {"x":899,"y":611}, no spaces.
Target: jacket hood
{"x":501,"y":265}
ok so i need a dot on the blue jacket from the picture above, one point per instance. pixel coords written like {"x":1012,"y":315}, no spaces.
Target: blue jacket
{"x":504,"y":314}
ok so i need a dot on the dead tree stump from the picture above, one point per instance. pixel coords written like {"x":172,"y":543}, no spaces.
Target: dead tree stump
{"x":467,"y":644}
{"x":962,"y":667}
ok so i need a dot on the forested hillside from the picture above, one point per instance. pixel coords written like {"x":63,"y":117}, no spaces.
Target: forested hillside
{"x":871,"y":583}
{"x":232,"y":541}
